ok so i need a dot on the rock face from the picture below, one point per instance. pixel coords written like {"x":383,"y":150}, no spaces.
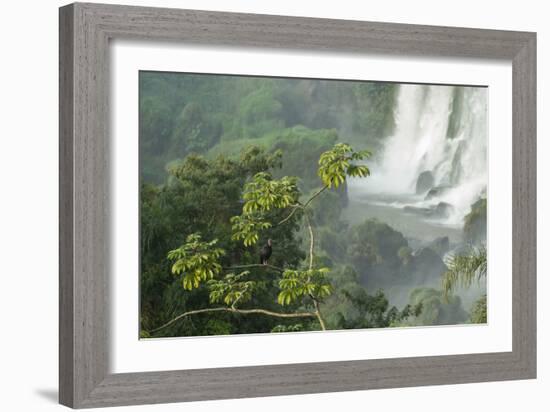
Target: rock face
{"x":440,"y":245}
{"x":428,"y":265}
{"x":475,"y":223}
{"x":443,"y":209}
{"x":424,"y":182}
{"x":436,"y":191}
{"x":424,"y":211}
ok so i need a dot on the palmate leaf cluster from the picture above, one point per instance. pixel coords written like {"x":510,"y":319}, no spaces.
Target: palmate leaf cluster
{"x":297,"y":284}
{"x":264,"y":193}
{"x":232,"y":289}
{"x":261,"y":195}
{"x":339,"y":162}
{"x":196,"y":261}
{"x":247,"y":227}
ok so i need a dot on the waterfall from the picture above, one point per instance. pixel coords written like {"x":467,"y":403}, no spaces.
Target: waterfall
{"x":441,"y":130}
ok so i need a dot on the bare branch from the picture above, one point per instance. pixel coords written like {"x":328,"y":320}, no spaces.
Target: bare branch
{"x":240,"y":311}
{"x":192,"y":312}
{"x":311,"y":241}
{"x":300,"y":206}
{"x":318,"y":314}
{"x":315,"y":300}
{"x":275,"y":314}
{"x":315,"y":195}
{"x":294,"y":209}
{"x":255,"y":265}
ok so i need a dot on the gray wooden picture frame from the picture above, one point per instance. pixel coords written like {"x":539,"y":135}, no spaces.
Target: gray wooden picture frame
{"x":85,"y":31}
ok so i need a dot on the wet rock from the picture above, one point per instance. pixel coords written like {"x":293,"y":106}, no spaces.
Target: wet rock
{"x":424,"y":182}
{"x":427,"y":264}
{"x":475,"y":223}
{"x":423,"y":211}
{"x":436,"y":192}
{"x":440,"y":245}
{"x":443,"y":209}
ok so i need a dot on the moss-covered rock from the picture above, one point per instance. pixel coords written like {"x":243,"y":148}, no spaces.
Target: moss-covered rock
{"x":475,"y":223}
{"x":426,"y":265}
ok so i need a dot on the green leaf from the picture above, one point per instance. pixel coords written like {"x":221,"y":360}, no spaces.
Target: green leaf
{"x":336,"y":164}
{"x":196,"y":260}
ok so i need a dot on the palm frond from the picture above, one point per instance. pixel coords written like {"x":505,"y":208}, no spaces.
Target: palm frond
{"x":464,"y":269}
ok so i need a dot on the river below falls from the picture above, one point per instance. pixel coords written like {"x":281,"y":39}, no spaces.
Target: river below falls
{"x":416,"y":229}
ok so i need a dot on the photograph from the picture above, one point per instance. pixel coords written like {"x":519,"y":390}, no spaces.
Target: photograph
{"x":279,"y":205}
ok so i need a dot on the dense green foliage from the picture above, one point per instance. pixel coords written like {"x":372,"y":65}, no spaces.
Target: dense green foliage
{"x":352,"y":306}
{"x":436,"y":308}
{"x":172,"y":212}
{"x":180,"y":115}
{"x":375,"y":243}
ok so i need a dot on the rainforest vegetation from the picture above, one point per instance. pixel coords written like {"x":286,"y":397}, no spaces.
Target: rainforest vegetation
{"x":245,"y":214}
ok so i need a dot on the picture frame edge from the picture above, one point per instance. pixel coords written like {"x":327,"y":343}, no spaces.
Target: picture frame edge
{"x":84,"y":381}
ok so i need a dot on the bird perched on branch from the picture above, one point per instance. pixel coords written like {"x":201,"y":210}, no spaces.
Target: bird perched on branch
{"x":265,"y":252}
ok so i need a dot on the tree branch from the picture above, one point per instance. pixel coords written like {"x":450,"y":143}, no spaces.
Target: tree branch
{"x":315,"y":300}
{"x":300,"y":206}
{"x":294,"y":209}
{"x":315,"y":195}
{"x":318,"y":314}
{"x":240,"y":311}
{"x":192,"y":312}
{"x":311,"y":241}
{"x":275,"y":314}
{"x":255,"y":265}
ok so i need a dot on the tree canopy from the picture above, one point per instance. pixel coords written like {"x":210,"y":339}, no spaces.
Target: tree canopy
{"x":217,"y":258}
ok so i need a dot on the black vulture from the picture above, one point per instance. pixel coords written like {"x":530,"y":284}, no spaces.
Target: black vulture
{"x":265,"y":252}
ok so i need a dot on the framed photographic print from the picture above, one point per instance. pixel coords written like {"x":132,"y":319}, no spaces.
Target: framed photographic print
{"x":257,"y":205}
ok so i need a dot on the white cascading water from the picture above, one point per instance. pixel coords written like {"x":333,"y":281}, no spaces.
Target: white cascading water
{"x":420,"y":143}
